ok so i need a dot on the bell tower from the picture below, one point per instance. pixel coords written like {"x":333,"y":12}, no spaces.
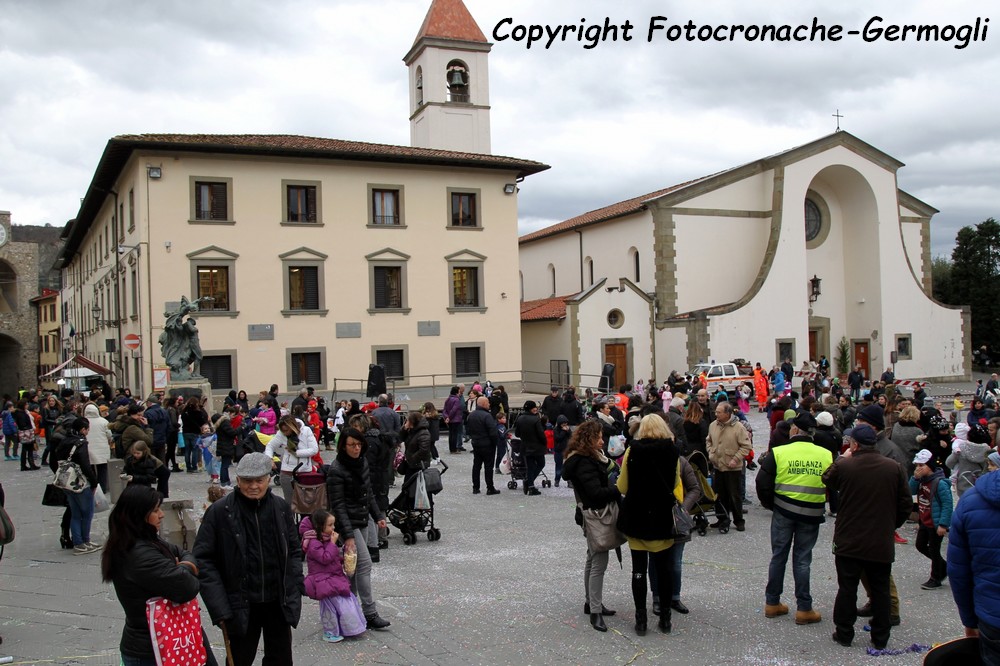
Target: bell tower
{"x":449,"y":81}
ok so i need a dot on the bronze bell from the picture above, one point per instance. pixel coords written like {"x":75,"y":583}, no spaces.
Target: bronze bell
{"x":456,"y":77}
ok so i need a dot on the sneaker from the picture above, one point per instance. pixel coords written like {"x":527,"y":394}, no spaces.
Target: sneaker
{"x":331,"y":637}
{"x":81,"y":549}
{"x":94,"y":547}
{"x":899,"y":539}
{"x":376,"y":622}
{"x":931,"y":584}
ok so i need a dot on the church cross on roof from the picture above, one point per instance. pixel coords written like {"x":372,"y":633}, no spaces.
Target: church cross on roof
{"x":450,"y":19}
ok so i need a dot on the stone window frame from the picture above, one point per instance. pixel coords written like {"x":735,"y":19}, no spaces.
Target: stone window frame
{"x":192,"y":185}
{"x":388,"y":258}
{"x":289,"y":351}
{"x":233,"y":364}
{"x":777,"y":352}
{"x":400,"y":205}
{"x":404,"y":380}
{"x":478,"y":194}
{"x":285,"y":184}
{"x":909,"y":338}
{"x":824,"y":216}
{"x":304,"y":257}
{"x":195,"y":261}
{"x":467,"y":259}
{"x":456,"y":378}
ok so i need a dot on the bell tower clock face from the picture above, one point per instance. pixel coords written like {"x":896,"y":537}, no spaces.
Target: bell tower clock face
{"x":4,"y":235}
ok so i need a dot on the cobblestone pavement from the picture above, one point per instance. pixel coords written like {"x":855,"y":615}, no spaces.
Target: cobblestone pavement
{"x":503,"y":586}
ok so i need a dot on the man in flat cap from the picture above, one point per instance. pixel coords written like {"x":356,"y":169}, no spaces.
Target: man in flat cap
{"x":790,"y":484}
{"x":874,"y":501}
{"x":250,"y":563}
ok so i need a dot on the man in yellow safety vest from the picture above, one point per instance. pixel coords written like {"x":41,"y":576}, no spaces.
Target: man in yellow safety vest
{"x":790,"y":484}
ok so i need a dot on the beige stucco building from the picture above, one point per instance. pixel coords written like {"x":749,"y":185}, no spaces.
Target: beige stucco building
{"x":722,"y":267}
{"x":48,"y":310}
{"x":322,"y":256}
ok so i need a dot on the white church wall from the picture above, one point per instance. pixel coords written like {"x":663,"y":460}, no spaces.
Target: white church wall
{"x":717,"y":258}
{"x":541,"y":343}
{"x":913,"y":243}
{"x":827,"y":263}
{"x":671,"y":351}
{"x":635,"y":330}
{"x":751,"y":193}
{"x":608,"y":245}
{"x":563,"y":252}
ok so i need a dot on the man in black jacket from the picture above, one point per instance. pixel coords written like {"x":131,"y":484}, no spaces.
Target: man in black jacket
{"x":482,"y":429}
{"x":250,"y":563}
{"x":530,"y":431}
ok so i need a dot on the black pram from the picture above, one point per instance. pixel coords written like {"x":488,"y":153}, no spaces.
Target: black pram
{"x":410,"y":520}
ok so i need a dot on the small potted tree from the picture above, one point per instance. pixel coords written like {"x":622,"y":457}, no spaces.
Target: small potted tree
{"x":843,"y":359}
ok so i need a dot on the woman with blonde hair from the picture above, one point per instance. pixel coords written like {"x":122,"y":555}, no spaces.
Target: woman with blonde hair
{"x":586,"y":467}
{"x":648,"y":476}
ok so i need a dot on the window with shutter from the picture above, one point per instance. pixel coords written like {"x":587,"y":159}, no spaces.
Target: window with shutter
{"x":388,"y":287}
{"x":392,"y":361}
{"x":303,"y":288}
{"x":302,"y":203}
{"x":307,"y":368}
{"x":467,"y":361}
{"x":218,"y":370}
{"x":210,"y":201}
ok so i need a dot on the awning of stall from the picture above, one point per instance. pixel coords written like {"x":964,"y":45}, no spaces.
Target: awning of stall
{"x":82,"y":361}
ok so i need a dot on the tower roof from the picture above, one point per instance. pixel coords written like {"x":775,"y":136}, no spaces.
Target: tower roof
{"x":450,"y":19}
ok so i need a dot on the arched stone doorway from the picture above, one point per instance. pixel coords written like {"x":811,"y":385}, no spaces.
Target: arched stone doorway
{"x":10,"y":364}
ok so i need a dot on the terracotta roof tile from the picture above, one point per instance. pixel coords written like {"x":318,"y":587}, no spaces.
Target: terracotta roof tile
{"x":450,"y":19}
{"x":619,"y":209}
{"x":545,"y":309}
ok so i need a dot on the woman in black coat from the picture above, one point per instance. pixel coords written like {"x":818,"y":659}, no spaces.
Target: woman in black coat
{"x":225,"y":443}
{"x":349,"y":492}
{"x":193,"y":417}
{"x":586,"y":467}
{"x":141,"y":566}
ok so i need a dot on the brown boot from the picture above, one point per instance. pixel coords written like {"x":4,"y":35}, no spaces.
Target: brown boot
{"x":774,"y":610}
{"x":807,"y":617}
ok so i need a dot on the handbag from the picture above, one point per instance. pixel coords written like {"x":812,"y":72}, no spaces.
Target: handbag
{"x":69,"y":476}
{"x":175,"y":630}
{"x":433,"y":481}
{"x":25,"y":437}
{"x":54,"y":496}
{"x":601,"y":528}
{"x":683,"y":523}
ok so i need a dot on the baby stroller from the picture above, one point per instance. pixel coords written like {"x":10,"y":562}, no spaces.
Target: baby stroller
{"x":706,"y":504}
{"x":256,"y":442}
{"x":408,"y":519}
{"x":308,"y":492}
{"x":518,"y":467}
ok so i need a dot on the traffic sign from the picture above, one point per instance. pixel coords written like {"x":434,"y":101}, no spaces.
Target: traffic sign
{"x":132,"y":341}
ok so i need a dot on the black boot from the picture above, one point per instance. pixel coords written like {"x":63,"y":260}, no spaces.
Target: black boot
{"x":664,"y":623}
{"x":373,"y":554}
{"x":65,"y":542}
{"x":639,"y":597}
{"x":597,"y":621}
{"x":640,"y":622}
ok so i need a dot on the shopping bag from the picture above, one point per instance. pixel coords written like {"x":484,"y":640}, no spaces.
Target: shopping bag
{"x":175,"y":630}
{"x":421,"y":500}
{"x":505,"y":465}
{"x":101,"y":502}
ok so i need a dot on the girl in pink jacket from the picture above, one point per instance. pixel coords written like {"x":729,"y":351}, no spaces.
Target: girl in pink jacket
{"x":339,"y":610}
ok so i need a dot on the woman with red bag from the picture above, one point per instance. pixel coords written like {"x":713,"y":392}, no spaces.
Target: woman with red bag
{"x":141,"y":566}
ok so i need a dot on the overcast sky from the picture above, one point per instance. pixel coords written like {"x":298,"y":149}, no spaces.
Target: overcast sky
{"x":614,"y":122}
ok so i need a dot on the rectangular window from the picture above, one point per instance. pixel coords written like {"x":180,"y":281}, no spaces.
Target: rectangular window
{"x":303,"y":288}
{"x":46,"y":344}
{"x":904,"y":351}
{"x":559,"y":373}
{"x":302,"y":203}
{"x":392,"y":361}
{"x":463,"y":209}
{"x":213,"y":282}
{"x":218,"y":370}
{"x":385,"y":206}
{"x":210,"y":201}
{"x":135,"y":293}
{"x":306,"y":368}
{"x":388,"y":287}
{"x":465,"y":286}
{"x":131,"y":210}
{"x":467,"y":361}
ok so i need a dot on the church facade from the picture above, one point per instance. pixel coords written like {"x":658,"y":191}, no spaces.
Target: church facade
{"x":780,"y":258}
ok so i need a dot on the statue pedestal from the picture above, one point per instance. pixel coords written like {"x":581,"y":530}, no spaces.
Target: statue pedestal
{"x":197,"y":387}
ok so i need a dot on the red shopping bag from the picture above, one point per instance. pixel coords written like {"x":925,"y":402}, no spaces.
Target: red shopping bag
{"x":175,"y":630}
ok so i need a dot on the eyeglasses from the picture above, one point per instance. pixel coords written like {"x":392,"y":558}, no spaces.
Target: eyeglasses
{"x":353,"y":443}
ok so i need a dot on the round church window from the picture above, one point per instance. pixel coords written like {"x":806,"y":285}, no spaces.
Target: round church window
{"x":814,"y":220}
{"x":616,"y":319}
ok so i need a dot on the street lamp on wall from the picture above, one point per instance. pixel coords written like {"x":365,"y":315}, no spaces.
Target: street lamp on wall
{"x":96,"y":310}
{"x":814,"y":290}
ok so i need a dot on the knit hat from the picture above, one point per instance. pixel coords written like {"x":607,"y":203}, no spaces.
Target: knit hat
{"x":994,"y":458}
{"x":938,"y":422}
{"x":253,"y":466}
{"x":864,"y":435}
{"x":788,"y":415}
{"x":962,"y":431}
{"x":804,"y":421}
{"x":979,"y":435}
{"x":873,"y":416}
{"x":824,"y":419}
{"x":529,"y":405}
{"x":928,"y":402}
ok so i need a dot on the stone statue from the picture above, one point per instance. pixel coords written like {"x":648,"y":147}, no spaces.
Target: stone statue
{"x":179,"y":341}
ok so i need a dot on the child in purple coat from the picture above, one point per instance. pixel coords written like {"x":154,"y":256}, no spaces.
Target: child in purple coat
{"x":339,"y":610}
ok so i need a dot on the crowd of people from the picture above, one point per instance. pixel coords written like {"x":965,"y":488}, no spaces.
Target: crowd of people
{"x":661,"y":459}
